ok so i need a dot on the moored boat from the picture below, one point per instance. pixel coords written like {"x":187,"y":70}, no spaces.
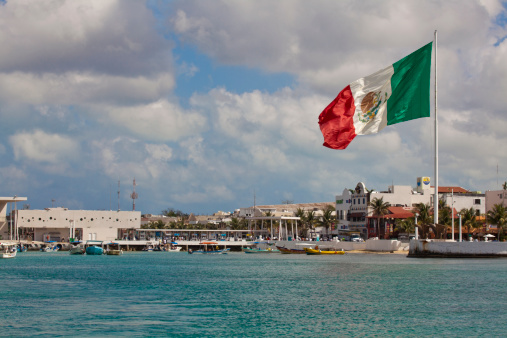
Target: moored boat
{"x":93,"y":248}
{"x":50,"y":246}
{"x":285,"y":250}
{"x":260,"y":251}
{"x":323,"y":251}
{"x":8,"y":250}
{"x":209,"y":249}
{"x":76,"y":248}
{"x":115,"y":250}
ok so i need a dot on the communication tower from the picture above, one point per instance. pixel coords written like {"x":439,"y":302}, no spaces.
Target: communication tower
{"x":134,"y":196}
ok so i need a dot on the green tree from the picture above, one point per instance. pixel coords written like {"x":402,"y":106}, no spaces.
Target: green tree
{"x":235,"y":224}
{"x":424,"y":219}
{"x":380,"y":209}
{"x":301,"y":214}
{"x":498,"y":216}
{"x":171,"y":212}
{"x":309,"y":220}
{"x":468,"y":219}
{"x":327,"y":218}
{"x":405,"y":225}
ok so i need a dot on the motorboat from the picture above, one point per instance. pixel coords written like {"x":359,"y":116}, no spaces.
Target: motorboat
{"x":50,"y":246}
{"x":323,"y":251}
{"x":76,"y":248}
{"x":260,"y":251}
{"x":94,"y":248}
{"x":209,"y":248}
{"x":8,"y":250}
{"x":255,"y":249}
{"x":299,"y":249}
{"x":115,"y":250}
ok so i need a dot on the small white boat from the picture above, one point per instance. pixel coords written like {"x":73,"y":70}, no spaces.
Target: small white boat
{"x":50,"y":246}
{"x":77,"y":249}
{"x":8,"y":250}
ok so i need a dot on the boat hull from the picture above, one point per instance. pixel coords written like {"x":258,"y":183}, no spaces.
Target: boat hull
{"x":9,"y":254}
{"x":210,"y":252}
{"x":94,"y":250}
{"x":310,"y":251}
{"x":259,"y":251}
{"x":114,"y":252}
{"x":285,"y":250}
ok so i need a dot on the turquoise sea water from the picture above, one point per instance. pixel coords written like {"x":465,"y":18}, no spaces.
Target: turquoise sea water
{"x":152,"y":294}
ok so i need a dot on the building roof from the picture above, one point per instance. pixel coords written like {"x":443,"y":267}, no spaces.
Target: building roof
{"x":443,"y":190}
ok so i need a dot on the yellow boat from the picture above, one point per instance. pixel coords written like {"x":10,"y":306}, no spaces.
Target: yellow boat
{"x":326,"y":251}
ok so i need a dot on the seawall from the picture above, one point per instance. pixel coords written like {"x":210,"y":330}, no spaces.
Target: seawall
{"x":451,"y":249}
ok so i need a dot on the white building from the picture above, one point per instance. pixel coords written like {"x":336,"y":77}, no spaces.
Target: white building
{"x":60,"y":224}
{"x":352,"y":205}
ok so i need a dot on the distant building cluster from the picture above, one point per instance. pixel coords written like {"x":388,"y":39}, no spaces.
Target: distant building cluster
{"x":352,"y":214}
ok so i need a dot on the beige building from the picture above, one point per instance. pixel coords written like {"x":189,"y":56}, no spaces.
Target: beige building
{"x":60,"y":224}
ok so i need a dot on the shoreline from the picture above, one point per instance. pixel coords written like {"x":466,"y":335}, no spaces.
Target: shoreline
{"x":395,"y":252}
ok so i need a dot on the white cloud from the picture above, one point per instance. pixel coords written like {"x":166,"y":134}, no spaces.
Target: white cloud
{"x":86,"y":89}
{"x":158,"y":121}
{"x":101,"y":36}
{"x":40,"y":146}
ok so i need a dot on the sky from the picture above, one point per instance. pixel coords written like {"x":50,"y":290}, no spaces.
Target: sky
{"x":214,"y":105}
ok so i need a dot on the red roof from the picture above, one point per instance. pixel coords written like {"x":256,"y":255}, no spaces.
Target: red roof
{"x":397,"y":212}
{"x":442,"y":190}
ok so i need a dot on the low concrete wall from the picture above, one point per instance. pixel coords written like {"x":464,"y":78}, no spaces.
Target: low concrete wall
{"x":383,"y":245}
{"x":428,"y":248}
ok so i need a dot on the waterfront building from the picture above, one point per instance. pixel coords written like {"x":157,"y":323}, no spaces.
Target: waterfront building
{"x":355,"y":215}
{"x":8,"y":225}
{"x":60,"y":224}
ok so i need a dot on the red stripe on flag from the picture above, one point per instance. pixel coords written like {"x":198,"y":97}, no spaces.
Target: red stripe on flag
{"x":336,"y":121}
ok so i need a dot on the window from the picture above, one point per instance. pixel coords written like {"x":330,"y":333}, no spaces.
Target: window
{"x":477,"y":201}
{"x":364,"y":201}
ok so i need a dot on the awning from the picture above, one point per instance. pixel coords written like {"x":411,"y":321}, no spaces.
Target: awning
{"x":357,"y":214}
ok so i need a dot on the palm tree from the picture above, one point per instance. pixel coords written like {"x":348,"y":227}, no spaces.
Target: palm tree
{"x":498,"y":216}
{"x":424,"y":218}
{"x":405,"y":225}
{"x":327,"y":218}
{"x":380,"y":209}
{"x":468,"y":218}
{"x":235,"y":224}
{"x":301,"y":214}
{"x":309,"y":219}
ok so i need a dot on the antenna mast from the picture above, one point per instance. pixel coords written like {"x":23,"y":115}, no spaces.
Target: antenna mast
{"x":118,"y":195}
{"x":134,"y":196}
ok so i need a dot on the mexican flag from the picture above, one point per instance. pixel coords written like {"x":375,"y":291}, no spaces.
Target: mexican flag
{"x":398,"y":93}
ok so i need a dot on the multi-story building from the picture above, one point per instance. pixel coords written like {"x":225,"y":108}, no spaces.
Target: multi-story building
{"x":355,"y":215}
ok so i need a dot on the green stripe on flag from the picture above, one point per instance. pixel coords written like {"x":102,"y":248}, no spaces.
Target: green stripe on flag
{"x":410,"y":83}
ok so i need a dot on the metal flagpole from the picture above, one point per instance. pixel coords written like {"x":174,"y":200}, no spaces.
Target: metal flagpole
{"x":435,"y":199}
